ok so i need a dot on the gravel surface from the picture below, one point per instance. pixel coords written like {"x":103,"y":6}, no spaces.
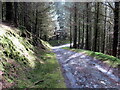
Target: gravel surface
{"x":81,"y":71}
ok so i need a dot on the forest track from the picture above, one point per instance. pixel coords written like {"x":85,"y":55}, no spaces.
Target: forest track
{"x":81,"y":71}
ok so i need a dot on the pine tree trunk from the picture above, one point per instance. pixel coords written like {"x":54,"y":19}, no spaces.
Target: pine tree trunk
{"x":79,"y":34}
{"x":87,"y":31}
{"x":104,"y":32}
{"x":82,"y":43}
{"x":16,"y":13}
{"x":116,"y":28}
{"x":96,"y":29}
{"x":75,"y":27}
{"x":9,"y":11}
{"x":2,"y":12}
{"x":36,"y":31}
{"x":70,"y":32}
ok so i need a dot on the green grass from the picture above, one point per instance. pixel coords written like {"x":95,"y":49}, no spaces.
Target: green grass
{"x":48,"y":72}
{"x":58,"y":42}
{"x":105,"y":58}
{"x":24,"y":65}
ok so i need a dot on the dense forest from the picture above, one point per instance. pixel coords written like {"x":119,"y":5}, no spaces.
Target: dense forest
{"x":92,"y":26}
{"x":97,"y":28}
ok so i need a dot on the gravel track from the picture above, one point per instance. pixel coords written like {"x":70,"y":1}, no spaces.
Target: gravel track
{"x":81,"y":71}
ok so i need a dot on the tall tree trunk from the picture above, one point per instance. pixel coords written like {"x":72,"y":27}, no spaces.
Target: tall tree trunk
{"x":16,"y":13}
{"x":79,"y":34}
{"x":87,"y":27}
{"x":96,"y":28}
{"x":70,"y":32}
{"x":25,"y":14}
{"x":75,"y":27}
{"x":2,"y":11}
{"x":9,"y":11}
{"x":82,"y":42}
{"x":116,"y":28}
{"x":104,"y":32}
{"x":36,"y":32}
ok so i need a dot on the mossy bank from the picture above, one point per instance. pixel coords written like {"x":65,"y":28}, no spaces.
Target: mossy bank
{"x":23,"y":65}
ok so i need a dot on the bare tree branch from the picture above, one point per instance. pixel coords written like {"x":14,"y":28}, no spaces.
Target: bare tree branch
{"x":109,"y":5}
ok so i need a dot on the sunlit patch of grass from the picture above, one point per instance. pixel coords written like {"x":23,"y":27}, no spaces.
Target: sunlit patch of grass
{"x":15,"y":46}
{"x":2,"y":31}
{"x":1,"y":66}
{"x":14,"y":49}
{"x":46,"y":44}
{"x":106,"y":58}
{"x":24,"y":65}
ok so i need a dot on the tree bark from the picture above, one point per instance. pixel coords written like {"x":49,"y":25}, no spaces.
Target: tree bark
{"x":75,"y":27}
{"x":116,"y":28}
{"x":79,"y":34}
{"x":96,"y":28}
{"x":87,"y":28}
{"x":70,"y":32}
{"x":82,"y":43}
{"x":16,"y":13}
{"x":9,"y":11}
{"x":104,"y":32}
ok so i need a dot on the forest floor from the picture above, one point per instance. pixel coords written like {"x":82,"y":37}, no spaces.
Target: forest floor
{"x":83,"y":71}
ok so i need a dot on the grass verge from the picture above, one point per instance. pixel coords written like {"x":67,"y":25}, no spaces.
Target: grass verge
{"x":105,"y":58}
{"x":48,"y":72}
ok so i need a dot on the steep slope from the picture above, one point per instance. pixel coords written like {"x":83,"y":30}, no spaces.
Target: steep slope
{"x":24,"y":66}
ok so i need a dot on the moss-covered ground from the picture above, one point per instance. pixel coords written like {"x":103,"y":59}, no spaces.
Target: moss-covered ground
{"x":108,"y":59}
{"x":23,"y":65}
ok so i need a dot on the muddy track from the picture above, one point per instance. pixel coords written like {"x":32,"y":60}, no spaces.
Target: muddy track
{"x":81,"y":71}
